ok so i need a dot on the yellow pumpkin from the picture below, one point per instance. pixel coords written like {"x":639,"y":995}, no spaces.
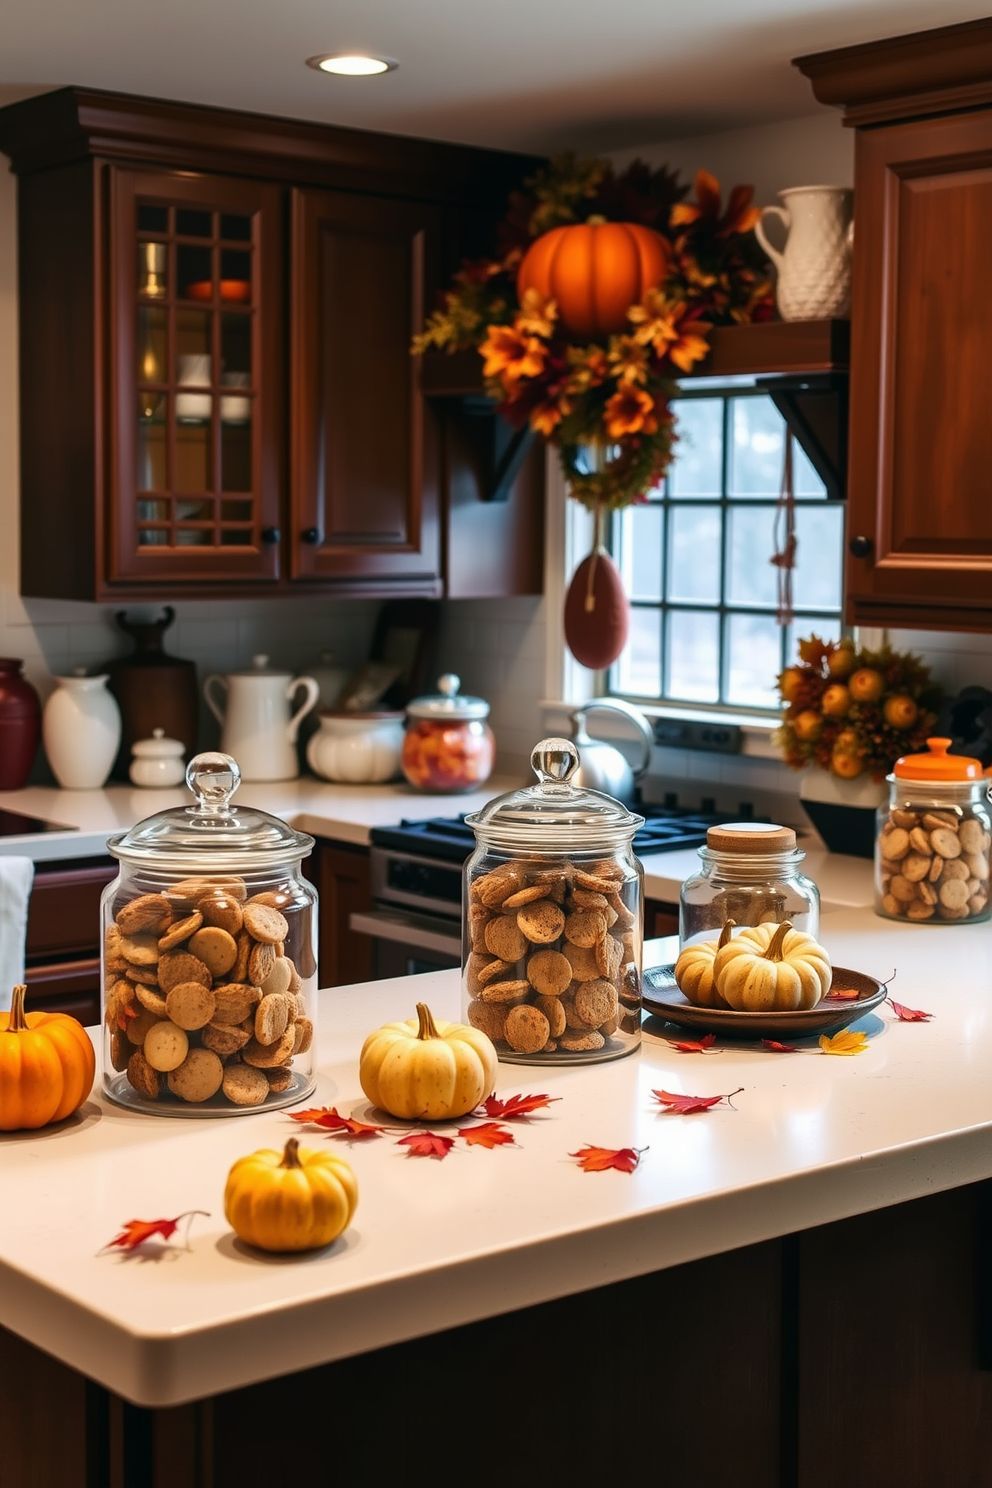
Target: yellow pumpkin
{"x":694,"y":970}
{"x":297,"y":1199}
{"x":772,"y":968}
{"x":427,"y":1070}
{"x":46,"y":1066}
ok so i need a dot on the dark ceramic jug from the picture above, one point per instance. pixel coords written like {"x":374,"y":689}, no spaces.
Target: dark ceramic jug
{"x":154,"y":690}
{"x":20,"y":724}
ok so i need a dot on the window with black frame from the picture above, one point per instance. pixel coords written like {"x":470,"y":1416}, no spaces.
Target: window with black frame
{"x":696,"y":560}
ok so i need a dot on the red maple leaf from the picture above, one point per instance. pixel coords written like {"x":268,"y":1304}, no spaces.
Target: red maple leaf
{"x":516,"y":1106}
{"x":598,"y":1159}
{"x":842,"y":994}
{"x":427,"y":1144}
{"x":778,"y":1048}
{"x":695,"y":1046}
{"x":908,"y":1014}
{"x":135,"y":1232}
{"x":489,"y":1134}
{"x":686,"y":1105}
{"x":330,"y":1119}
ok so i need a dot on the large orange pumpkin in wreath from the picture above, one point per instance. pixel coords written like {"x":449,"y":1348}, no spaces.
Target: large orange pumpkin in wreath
{"x":595,"y":271}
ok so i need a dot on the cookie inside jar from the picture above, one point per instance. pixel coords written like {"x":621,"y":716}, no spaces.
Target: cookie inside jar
{"x":553,"y":920}
{"x":209,"y":958}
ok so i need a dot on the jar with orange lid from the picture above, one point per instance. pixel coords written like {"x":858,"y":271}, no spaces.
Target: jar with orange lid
{"x":933,"y":842}
{"x":750,"y":874}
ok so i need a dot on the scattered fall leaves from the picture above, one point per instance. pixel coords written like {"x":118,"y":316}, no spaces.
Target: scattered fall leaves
{"x":695,"y":1046}
{"x":845,"y":1042}
{"x":599,"y":1159}
{"x":329,"y":1119}
{"x":777,"y":1048}
{"x":687,"y":1105}
{"x":908,"y":1014}
{"x":488,"y":1134}
{"x":135,"y":1232}
{"x":516,"y":1106}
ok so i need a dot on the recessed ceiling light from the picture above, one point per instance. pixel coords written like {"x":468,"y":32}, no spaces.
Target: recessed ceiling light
{"x":352,"y":64}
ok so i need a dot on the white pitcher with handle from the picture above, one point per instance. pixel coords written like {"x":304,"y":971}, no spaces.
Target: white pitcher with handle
{"x":256,"y":725}
{"x":814,"y":272}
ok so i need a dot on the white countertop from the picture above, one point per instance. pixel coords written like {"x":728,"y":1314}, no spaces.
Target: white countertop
{"x":347,"y":813}
{"x":811,"y":1139}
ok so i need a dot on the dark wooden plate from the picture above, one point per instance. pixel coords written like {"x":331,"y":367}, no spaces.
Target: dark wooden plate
{"x":662,"y":997}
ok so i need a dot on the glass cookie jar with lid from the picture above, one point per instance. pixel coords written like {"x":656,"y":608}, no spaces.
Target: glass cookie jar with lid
{"x":933,"y":840}
{"x":448,"y":745}
{"x":750,"y":876}
{"x":553,"y":920}
{"x":209,"y":957}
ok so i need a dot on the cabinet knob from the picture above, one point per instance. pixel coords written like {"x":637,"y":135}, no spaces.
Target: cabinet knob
{"x":270,"y":535}
{"x":860,"y":547}
{"x":311,"y":535}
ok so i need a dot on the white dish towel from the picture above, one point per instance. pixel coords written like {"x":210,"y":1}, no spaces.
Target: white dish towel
{"x":16,"y":877}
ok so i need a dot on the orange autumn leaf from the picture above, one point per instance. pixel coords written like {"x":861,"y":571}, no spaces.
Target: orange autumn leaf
{"x":599,"y":1159}
{"x":426,"y":1144}
{"x":489,"y":1134}
{"x":845,"y":1042}
{"x":695,"y":1046}
{"x":516,"y":1106}
{"x":842,"y":994}
{"x":777,"y":1048}
{"x":328,"y":1118}
{"x":135,"y":1232}
{"x":908,"y":1014}
{"x":688,"y":1105}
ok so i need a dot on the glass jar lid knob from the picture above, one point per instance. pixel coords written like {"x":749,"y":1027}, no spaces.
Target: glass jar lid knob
{"x":554,"y":761}
{"x":213,"y":778}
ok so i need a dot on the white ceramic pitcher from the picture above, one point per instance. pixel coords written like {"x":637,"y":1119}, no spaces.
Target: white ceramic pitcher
{"x":814,"y":272}
{"x":256,"y":726}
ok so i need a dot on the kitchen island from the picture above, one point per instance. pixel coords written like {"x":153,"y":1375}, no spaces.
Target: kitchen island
{"x":788,"y":1289}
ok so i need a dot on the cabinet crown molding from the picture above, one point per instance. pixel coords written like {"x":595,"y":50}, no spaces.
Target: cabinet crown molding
{"x":936,"y":71}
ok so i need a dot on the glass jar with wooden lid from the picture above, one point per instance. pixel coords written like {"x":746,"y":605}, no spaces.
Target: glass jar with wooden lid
{"x":749,"y":874}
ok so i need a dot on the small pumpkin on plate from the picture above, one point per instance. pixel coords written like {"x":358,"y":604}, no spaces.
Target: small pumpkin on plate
{"x":297,"y":1199}
{"x":47,"y":1066}
{"x":427,"y":1069}
{"x":694,"y":970}
{"x":772,"y":968}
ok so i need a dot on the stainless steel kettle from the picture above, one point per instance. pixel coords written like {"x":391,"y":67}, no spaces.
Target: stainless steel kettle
{"x":601,"y":767}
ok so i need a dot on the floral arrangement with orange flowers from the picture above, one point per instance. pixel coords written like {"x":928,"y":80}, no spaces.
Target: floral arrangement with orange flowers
{"x":610,"y":394}
{"x":852,"y":710}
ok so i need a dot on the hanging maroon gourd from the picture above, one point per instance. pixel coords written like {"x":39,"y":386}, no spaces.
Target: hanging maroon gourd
{"x":597,"y":611}
{"x":594,"y":271}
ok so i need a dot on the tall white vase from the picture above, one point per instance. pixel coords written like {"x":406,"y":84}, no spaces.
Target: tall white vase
{"x":81,"y":730}
{"x":814,"y":272}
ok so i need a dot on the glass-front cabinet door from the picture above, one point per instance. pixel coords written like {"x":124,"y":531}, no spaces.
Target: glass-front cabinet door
{"x":196,"y":456}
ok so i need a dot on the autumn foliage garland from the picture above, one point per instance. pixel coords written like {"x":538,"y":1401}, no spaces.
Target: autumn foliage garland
{"x":615,"y":393}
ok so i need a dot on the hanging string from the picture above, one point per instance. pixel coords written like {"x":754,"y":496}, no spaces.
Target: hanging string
{"x":784,"y":557}
{"x":598,"y":546}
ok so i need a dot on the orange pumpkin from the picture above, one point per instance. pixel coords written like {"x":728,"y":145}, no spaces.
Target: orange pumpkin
{"x":595,"y":271}
{"x":46,"y":1066}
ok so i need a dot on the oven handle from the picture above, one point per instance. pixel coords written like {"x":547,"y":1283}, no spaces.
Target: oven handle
{"x":415,"y":931}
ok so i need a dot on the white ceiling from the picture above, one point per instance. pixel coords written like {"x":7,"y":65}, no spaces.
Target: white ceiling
{"x":523,"y":74}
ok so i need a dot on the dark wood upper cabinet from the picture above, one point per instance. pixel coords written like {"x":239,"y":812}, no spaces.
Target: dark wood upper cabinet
{"x":365,"y":497}
{"x":920,"y":477}
{"x":217,"y":391}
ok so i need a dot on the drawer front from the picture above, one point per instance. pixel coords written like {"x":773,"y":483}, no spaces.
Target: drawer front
{"x":71,"y":987}
{"x":64,"y":910}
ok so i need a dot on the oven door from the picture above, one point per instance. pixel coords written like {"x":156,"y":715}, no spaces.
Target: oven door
{"x":405,"y":943}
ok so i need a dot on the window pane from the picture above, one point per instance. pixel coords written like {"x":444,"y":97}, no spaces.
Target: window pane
{"x":753,"y":645}
{"x":816,"y":581}
{"x":693,"y":647}
{"x":827,"y":627}
{"x":756,"y":447}
{"x":805,"y":481}
{"x":698,"y":466}
{"x":694,"y":553}
{"x":638,"y":670}
{"x":750,"y":545}
{"x":641,"y":538}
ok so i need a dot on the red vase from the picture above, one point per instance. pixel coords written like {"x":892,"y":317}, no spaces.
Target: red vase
{"x":20,"y":724}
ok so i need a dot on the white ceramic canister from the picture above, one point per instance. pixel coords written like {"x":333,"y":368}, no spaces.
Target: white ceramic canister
{"x":81,"y":730}
{"x":158,"y":761}
{"x":256,"y":724}
{"x":359,"y":748}
{"x":814,"y":272}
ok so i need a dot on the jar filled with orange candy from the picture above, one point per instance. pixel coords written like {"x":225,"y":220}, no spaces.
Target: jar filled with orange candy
{"x":448,"y":745}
